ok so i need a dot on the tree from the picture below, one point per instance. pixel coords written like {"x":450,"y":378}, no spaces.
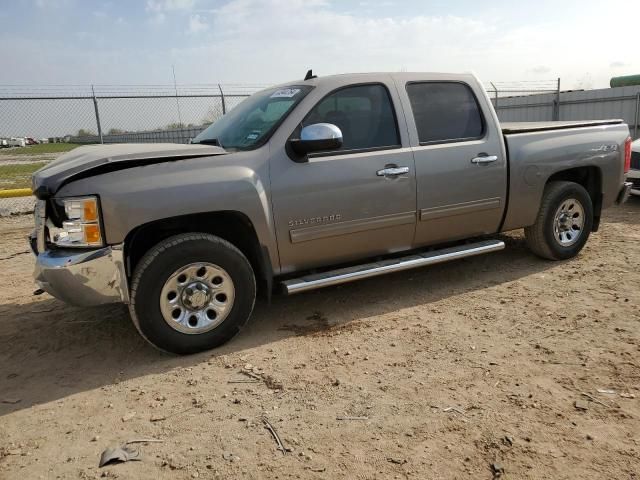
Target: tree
{"x":213,"y":114}
{"x":115,"y":131}
{"x":85,"y":133}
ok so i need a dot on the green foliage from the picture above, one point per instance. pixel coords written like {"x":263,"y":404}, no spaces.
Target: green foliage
{"x":212,"y":115}
{"x":85,"y":133}
{"x":177,"y":126}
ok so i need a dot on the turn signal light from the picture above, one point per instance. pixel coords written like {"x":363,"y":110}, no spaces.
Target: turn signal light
{"x":92,"y":234}
{"x":90,"y":208}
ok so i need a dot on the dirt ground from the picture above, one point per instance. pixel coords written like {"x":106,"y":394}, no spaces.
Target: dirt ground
{"x":489,"y":363}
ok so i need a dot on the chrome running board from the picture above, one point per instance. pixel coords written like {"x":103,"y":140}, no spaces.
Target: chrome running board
{"x":350,"y":274}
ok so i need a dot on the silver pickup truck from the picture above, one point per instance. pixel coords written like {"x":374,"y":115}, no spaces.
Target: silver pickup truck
{"x":309,"y":184}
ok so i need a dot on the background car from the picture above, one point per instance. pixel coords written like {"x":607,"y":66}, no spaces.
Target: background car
{"x":634,"y":173}
{"x":17,"y":142}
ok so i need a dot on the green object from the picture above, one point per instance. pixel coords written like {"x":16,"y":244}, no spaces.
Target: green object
{"x":626,"y":81}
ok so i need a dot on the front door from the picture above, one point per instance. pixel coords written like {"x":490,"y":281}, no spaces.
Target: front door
{"x":346,"y":204}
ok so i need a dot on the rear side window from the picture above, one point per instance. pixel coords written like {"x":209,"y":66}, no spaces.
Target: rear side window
{"x":445,"y":112}
{"x":363,"y":113}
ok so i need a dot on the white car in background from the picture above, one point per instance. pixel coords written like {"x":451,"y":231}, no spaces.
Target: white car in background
{"x":634,"y":173}
{"x":17,"y":142}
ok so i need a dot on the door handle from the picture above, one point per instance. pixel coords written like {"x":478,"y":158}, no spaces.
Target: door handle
{"x":392,"y":171}
{"x":482,"y":160}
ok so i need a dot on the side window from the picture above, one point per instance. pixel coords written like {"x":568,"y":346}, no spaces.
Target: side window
{"x":445,"y":111}
{"x":363,"y":113}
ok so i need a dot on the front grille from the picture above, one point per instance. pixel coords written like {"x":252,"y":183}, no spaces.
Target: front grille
{"x":635,"y":182}
{"x":635,"y":160}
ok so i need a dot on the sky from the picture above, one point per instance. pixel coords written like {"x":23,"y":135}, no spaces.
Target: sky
{"x":52,"y":42}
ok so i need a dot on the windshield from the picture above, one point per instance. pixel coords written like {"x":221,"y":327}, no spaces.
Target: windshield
{"x":252,"y":122}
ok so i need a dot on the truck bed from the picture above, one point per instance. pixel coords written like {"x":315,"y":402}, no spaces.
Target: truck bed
{"x":525,"y":127}
{"x":537,"y":150}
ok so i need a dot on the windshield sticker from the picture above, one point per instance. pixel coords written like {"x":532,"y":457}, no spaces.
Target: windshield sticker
{"x":285,"y":93}
{"x":252,"y":136}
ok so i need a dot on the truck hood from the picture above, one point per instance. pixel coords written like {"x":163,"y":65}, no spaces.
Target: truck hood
{"x":92,"y":160}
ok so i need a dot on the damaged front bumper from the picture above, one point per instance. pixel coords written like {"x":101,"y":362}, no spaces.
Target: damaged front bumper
{"x":84,"y":278}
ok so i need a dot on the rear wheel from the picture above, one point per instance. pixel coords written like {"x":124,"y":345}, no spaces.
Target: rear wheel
{"x":192,"y":292}
{"x":564,"y":222}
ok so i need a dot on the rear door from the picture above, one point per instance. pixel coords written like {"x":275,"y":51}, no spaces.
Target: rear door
{"x":461,"y":168}
{"x":340,"y":205}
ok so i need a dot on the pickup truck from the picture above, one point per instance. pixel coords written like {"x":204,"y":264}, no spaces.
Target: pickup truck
{"x":313,"y":183}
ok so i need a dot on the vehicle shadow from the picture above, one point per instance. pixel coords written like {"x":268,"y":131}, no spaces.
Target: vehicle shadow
{"x":51,"y":350}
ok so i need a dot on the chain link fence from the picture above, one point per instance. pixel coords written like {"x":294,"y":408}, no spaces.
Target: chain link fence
{"x":503,"y":94}
{"x":37,"y":124}
{"x":547,"y":101}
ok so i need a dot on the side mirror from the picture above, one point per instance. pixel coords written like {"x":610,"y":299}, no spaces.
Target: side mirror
{"x":317,"y":137}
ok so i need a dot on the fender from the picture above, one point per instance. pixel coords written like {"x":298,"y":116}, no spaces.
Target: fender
{"x":142,"y":194}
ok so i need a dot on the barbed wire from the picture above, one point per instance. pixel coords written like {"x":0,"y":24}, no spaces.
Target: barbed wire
{"x":504,"y":88}
{"x":518,"y":88}
{"x":78,"y":90}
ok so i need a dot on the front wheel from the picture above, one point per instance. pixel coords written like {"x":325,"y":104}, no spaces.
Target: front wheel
{"x":192,"y":292}
{"x":564,"y":222}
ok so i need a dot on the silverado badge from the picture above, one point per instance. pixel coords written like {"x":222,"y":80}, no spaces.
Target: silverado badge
{"x":315,"y":220}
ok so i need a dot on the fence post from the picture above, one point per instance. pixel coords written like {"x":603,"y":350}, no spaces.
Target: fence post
{"x":175,"y":87}
{"x":95,"y":107}
{"x":224,"y":106}
{"x":637,"y":118}
{"x":496,"y":94}
{"x":556,"y":110}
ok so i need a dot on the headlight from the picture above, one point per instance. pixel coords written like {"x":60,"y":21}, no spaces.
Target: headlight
{"x":80,"y":223}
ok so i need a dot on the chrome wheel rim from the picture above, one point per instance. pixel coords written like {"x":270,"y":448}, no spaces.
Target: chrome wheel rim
{"x":568,"y":223}
{"x":197,"y":298}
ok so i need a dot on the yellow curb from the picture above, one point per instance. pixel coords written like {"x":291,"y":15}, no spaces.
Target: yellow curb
{"x":16,"y":192}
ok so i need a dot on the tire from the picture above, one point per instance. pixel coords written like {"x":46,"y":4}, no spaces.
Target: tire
{"x":158,"y":272}
{"x":542,"y":238}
